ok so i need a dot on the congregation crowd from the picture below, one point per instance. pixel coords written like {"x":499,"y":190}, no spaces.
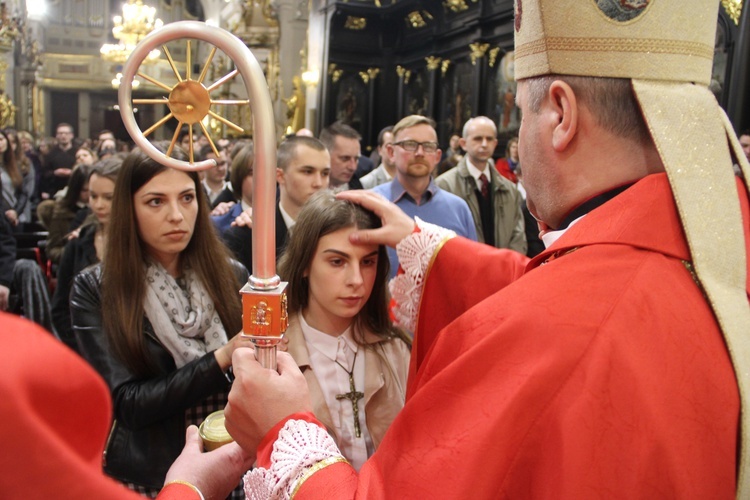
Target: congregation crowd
{"x":83,"y":200}
{"x":553,"y":323}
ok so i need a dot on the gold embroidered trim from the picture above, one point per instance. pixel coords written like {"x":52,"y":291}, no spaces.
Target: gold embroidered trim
{"x":426,"y":273}
{"x":315,"y":468}
{"x":190,"y":485}
{"x":679,"y":47}
{"x":689,"y":266}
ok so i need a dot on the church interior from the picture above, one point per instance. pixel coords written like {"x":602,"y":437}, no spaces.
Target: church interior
{"x":364,"y":62}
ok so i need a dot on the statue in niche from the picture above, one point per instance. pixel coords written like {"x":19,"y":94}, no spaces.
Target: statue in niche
{"x":296,"y":106}
{"x":348,"y":107}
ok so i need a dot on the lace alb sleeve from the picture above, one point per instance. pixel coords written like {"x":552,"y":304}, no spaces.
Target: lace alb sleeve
{"x":301,"y":449}
{"x":415,"y":253}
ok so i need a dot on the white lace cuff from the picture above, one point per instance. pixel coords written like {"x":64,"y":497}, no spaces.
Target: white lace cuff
{"x":415,"y":254}
{"x":300,"y":447}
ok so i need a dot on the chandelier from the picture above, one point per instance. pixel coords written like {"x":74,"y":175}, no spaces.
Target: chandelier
{"x":136,"y":22}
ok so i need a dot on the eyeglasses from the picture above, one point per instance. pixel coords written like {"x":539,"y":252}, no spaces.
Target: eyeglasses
{"x":412,"y":146}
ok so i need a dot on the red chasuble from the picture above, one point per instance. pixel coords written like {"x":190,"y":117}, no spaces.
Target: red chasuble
{"x":600,"y":373}
{"x":56,"y":412}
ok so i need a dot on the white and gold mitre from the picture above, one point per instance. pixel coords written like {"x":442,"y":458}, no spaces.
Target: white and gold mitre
{"x":665,"y":47}
{"x":666,"y":40}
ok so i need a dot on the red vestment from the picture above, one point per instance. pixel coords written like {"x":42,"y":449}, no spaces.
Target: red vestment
{"x":56,"y":413}
{"x":601,"y":372}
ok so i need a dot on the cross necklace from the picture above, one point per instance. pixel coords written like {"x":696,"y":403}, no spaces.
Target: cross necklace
{"x":353,"y":395}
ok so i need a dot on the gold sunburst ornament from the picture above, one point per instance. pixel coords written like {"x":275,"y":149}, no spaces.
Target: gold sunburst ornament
{"x":190,"y":101}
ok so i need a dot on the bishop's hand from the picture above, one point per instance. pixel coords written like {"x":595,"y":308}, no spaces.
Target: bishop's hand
{"x":260,"y":398}
{"x":396,"y":225}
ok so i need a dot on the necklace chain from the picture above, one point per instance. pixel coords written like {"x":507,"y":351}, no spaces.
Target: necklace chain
{"x":353,"y":395}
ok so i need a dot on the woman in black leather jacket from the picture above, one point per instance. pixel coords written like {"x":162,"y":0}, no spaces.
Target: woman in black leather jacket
{"x":158,"y":318}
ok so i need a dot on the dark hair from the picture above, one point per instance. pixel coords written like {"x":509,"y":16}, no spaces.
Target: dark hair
{"x":511,"y":141}
{"x":288,"y":149}
{"x":101,"y":150}
{"x":381,"y":134}
{"x":321,"y":215}
{"x":123,"y":271}
{"x":9,"y":163}
{"x":329,"y":134}
{"x":79,"y":177}
{"x":242,"y":166}
{"x":207,"y":149}
{"x":610,"y":100}
{"x":108,"y":167}
{"x":63,"y":124}
{"x":93,"y":153}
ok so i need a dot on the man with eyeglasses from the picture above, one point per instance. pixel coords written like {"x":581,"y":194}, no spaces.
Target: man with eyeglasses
{"x":59,"y":162}
{"x":415,"y":153}
{"x":494,"y":201}
{"x":215,"y":181}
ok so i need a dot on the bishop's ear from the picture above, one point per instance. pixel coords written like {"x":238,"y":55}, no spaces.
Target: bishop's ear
{"x":564,"y":105}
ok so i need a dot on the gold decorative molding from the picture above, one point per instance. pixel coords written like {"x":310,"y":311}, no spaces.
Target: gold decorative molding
{"x":444,"y":66}
{"x":493,"y":56}
{"x":368,"y":75}
{"x":416,"y":19}
{"x":7,"y":111}
{"x":734,"y":9}
{"x":8,"y":28}
{"x":335,"y":73}
{"x":3,"y":71}
{"x":433,"y":62}
{"x":478,"y":50}
{"x":455,"y":5}
{"x":355,"y":23}
{"x":403,"y":73}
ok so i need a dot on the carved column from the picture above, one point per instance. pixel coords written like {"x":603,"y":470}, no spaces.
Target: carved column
{"x":369,"y":78}
{"x":433,"y":63}
{"x":293,"y":20}
{"x":479,"y":61}
{"x":404,"y":75}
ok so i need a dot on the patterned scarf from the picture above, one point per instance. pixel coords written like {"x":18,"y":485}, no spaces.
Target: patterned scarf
{"x":184,"y":319}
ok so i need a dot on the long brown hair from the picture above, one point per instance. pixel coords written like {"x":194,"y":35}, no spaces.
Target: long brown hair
{"x":321,"y":215}
{"x":22,"y":161}
{"x":9,"y":163}
{"x":123,"y":270}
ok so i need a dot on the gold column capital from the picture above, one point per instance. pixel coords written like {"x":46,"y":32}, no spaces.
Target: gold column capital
{"x":433,"y":62}
{"x":478,"y":49}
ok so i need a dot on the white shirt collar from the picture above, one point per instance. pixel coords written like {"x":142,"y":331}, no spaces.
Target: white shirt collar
{"x":215,"y":193}
{"x":326,"y":344}
{"x":475,"y":172}
{"x":550,"y":237}
{"x":287,"y":218}
{"x":385,"y":172}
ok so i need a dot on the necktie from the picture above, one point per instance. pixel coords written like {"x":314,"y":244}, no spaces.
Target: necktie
{"x":485,"y":185}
